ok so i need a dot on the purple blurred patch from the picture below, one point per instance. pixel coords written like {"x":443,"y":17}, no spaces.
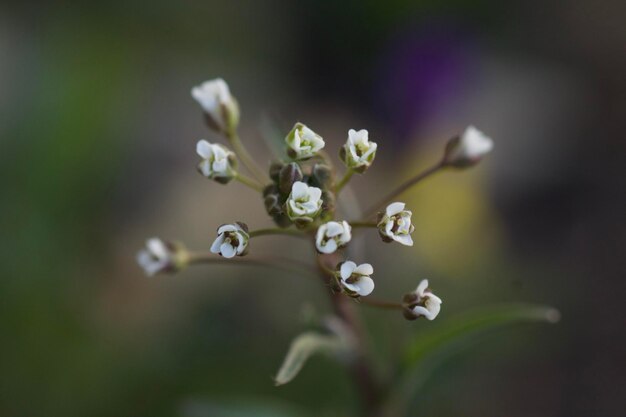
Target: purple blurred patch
{"x":421,"y":74}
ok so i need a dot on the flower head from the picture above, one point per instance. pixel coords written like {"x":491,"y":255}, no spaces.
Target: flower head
{"x":468,"y":149}
{"x":332,"y":235}
{"x":304,"y":202}
{"x":303,"y":143}
{"x":355,"y":280}
{"x":159,"y":256}
{"x":220,"y":107}
{"x":422,"y":302}
{"x":395,"y":224}
{"x":358,"y":153}
{"x":218,"y":162}
{"x":232,"y":240}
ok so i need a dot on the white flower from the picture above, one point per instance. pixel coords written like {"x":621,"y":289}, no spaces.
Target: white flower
{"x":218,"y":104}
{"x":303,"y":143}
{"x":304,"y":202}
{"x":218,"y":162}
{"x":358,"y":153}
{"x":232,"y":239}
{"x":422,"y":302}
{"x":356,"y":280}
{"x":159,"y":256}
{"x":468,"y":149}
{"x":332,"y":235}
{"x":396,"y":225}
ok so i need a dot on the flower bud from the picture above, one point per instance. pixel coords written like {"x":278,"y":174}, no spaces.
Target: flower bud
{"x":159,"y":256}
{"x":421,"y":303}
{"x":218,"y":162}
{"x":303,"y":143}
{"x":275,"y":168}
{"x":395,"y":224}
{"x":332,"y":235}
{"x":355,"y":280}
{"x":358,"y":153}
{"x":321,"y":176}
{"x":468,"y":149}
{"x":220,"y":107}
{"x":232,"y":240}
{"x":304,"y":203}
{"x":289,"y":174}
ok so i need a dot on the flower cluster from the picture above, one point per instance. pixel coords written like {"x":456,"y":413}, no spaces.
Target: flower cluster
{"x":300,"y":193}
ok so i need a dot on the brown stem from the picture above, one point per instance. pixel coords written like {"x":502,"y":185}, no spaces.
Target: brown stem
{"x":402,"y":188}
{"x":367,"y":383}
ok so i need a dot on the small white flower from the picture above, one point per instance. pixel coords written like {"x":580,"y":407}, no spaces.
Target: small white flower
{"x":218,"y":162}
{"x":303,"y":143}
{"x":356,"y":280}
{"x":232,"y":240}
{"x":304,"y":202}
{"x":219,"y":105}
{"x":358,"y":153}
{"x":468,"y":149}
{"x":395,"y":224}
{"x":159,"y":256}
{"x":332,"y":235}
{"x":422,"y":302}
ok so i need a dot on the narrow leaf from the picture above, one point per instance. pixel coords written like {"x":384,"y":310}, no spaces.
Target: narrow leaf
{"x":302,"y":348}
{"x":456,"y":330}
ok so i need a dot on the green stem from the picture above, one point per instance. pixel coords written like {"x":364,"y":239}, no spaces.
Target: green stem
{"x":277,"y":231}
{"x":403,"y":187}
{"x":285,"y":264}
{"x":245,"y":157}
{"x":362,"y":224}
{"x":344,"y":180}
{"x":389,"y":305}
{"x":249,"y":182}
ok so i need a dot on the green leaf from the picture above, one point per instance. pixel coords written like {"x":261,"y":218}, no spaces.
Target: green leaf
{"x":303,"y":347}
{"x":430,"y":347}
{"x":449,"y":335}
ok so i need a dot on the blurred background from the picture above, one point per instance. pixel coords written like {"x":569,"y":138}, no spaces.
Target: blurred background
{"x":97,"y":153}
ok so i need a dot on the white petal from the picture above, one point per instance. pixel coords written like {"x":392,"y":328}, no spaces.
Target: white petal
{"x":365,"y":286}
{"x":330,"y":247}
{"x":157,"y":248}
{"x":394,"y":208}
{"x":346,"y":269}
{"x":364,"y":269}
{"x":315,"y":193}
{"x":220,"y":166}
{"x":205,"y":168}
{"x":228,"y":228}
{"x":204,"y":149}
{"x":421,"y":311}
{"x":299,"y":190}
{"x":217,"y":243}
{"x":227,"y":250}
{"x":422,"y":287}
{"x":333,"y":229}
{"x":406,"y":240}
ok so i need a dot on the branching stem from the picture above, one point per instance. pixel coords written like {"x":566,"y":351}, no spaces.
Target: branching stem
{"x":344,"y":180}
{"x":245,"y":157}
{"x":244,"y":179}
{"x":278,"y":231}
{"x":403,"y":187}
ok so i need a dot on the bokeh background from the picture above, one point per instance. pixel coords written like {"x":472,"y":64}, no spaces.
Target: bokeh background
{"x":97,"y":139}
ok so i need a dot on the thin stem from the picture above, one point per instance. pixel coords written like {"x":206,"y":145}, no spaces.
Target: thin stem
{"x":285,"y":264}
{"x":244,"y":179}
{"x":277,"y":231}
{"x":245,"y":157}
{"x":363,"y":375}
{"x":362,"y":224}
{"x":344,"y":180}
{"x":403,"y":187}
{"x":389,"y":305}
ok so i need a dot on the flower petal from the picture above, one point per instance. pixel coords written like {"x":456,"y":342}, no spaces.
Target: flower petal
{"x":365,"y":286}
{"x":364,"y":269}
{"x":346,"y":269}
{"x":227,"y":250}
{"x":394,"y":208}
{"x":422,"y":287}
{"x":204,"y":149}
